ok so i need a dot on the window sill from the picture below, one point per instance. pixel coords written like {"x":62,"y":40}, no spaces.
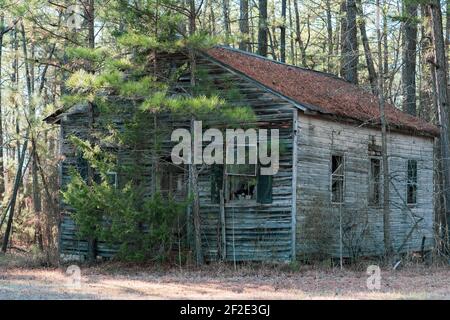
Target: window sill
{"x":243,"y":204}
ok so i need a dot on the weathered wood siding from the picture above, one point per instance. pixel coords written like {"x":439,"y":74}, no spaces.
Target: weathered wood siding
{"x":254,"y":232}
{"x":318,"y":220}
{"x":265,"y":232}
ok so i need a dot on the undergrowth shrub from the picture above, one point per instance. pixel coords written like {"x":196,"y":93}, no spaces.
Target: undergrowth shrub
{"x":142,"y":229}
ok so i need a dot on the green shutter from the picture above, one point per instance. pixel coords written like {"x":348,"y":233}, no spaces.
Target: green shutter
{"x":216,"y":182}
{"x":264,"y":189}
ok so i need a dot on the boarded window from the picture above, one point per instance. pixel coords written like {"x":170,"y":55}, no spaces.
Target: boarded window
{"x":375,"y":182}
{"x":411,"y":183}
{"x":337,"y":179}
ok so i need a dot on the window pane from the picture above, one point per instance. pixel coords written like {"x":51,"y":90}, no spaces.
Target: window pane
{"x":412,"y":171}
{"x":411,"y":182}
{"x":337,"y":190}
{"x":241,"y":188}
{"x":337,"y":165}
{"x":337,"y":179}
{"x":171,"y":179}
{"x":375,"y":182}
{"x":412,"y":194}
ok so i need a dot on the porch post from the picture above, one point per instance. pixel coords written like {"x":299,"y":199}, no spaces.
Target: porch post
{"x":294,"y":185}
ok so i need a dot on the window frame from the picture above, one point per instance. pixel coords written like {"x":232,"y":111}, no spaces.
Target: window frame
{"x":380,"y":183}
{"x":116,"y":180}
{"x":413,"y":183}
{"x":228,"y":176}
{"x":341,"y":155}
{"x":173,"y":173}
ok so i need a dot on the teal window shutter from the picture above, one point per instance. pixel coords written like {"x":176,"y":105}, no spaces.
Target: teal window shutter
{"x":264,"y":189}
{"x":216,"y":182}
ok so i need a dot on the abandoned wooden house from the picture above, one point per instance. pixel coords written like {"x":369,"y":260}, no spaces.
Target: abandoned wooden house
{"x":327,"y":196}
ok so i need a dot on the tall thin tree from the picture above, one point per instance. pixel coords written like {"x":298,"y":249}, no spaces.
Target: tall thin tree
{"x":283,"y":32}
{"x":384,"y":151}
{"x":409,"y":56}
{"x":262,"y":29}
{"x":244,"y":26}
{"x":349,"y":44}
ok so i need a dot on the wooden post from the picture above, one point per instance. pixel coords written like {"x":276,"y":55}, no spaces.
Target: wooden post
{"x":222,"y":226}
{"x":294,"y":185}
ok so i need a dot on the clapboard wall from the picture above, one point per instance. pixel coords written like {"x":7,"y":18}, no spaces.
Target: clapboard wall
{"x":362,"y":232}
{"x":253,"y":232}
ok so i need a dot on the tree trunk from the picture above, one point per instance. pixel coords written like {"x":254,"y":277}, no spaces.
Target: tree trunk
{"x":301,"y":45}
{"x":409,"y":57}
{"x":244,"y":26}
{"x":283,"y":32}
{"x":193,"y":172}
{"x":329,"y":36}
{"x":226,"y":20}
{"x":292,"y":42}
{"x":367,"y":52}
{"x":15,"y":191}
{"x":439,"y":70}
{"x":262,"y":28}
{"x":31,"y":110}
{"x":349,"y":45}
{"x":2,"y":168}
{"x":90,"y":14}
{"x":385,"y":158}
{"x":447,"y":31}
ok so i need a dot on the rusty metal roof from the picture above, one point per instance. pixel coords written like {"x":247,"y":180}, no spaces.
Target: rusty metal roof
{"x":323,"y":92}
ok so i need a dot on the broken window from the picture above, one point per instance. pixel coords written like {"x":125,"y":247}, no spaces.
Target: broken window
{"x":241,"y":178}
{"x":411,"y":182}
{"x":337,"y":179}
{"x":241,"y":182}
{"x":111,"y":177}
{"x":171,"y":179}
{"x":375,"y":182}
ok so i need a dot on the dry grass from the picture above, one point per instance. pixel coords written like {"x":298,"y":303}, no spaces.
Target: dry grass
{"x":220,"y":281}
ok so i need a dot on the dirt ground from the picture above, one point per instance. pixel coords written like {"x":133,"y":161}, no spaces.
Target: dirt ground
{"x":19,"y":280}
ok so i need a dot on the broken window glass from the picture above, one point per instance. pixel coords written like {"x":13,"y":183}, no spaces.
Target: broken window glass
{"x":337,"y":179}
{"x":411,"y":183}
{"x":375,"y":182}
